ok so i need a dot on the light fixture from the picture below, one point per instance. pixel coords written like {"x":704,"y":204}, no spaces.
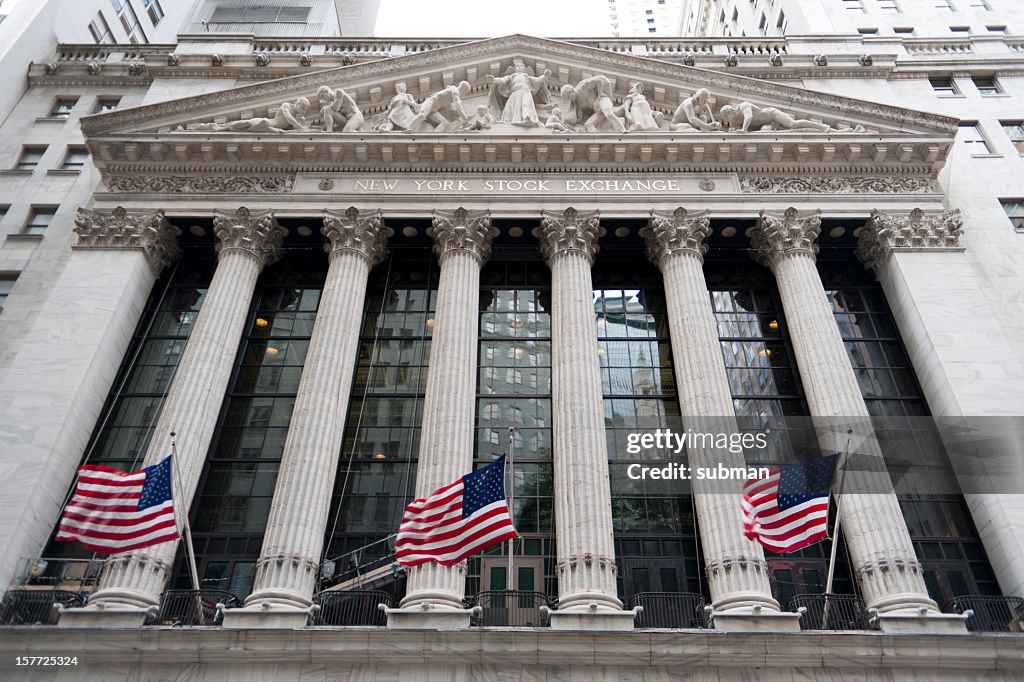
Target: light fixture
{"x":410,"y":231}
{"x":518,"y":324}
{"x":304,"y":231}
{"x":600,"y":352}
{"x":515,"y":232}
{"x":380,"y":455}
{"x":837,"y":232}
{"x":729,"y":232}
{"x":272,"y":351}
{"x":261,"y":322}
{"x":430,"y":323}
{"x":621,"y":232}
{"x":765,"y":353}
{"x":519,"y":352}
{"x":197,"y":230}
{"x":774,"y":325}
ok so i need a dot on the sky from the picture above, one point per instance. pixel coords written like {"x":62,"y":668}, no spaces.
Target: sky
{"x":487,"y":18}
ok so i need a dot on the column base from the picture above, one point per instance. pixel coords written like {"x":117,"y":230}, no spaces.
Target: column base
{"x":427,"y":616}
{"x":266,"y":616}
{"x":922,"y":622}
{"x":104,"y":615}
{"x":593,"y":618}
{"x":755,"y":620}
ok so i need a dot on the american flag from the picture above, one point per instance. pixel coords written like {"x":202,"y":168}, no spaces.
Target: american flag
{"x":458,"y":520}
{"x":112,"y":511}
{"x":788,"y":510}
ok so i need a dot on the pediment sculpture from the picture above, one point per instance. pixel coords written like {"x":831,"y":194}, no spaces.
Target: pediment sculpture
{"x":521,"y":101}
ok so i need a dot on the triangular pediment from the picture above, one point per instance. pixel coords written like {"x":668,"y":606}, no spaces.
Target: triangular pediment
{"x":524,"y":99}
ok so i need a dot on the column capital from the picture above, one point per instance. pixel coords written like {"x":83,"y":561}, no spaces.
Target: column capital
{"x":887,"y":232}
{"x":462,"y":230}
{"x":778,"y":235}
{"x":678,"y":231}
{"x":124,"y":229}
{"x":568,"y":231}
{"x":255,"y":232}
{"x":351,"y":230}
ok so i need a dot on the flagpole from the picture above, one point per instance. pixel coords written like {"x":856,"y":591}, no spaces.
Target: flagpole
{"x":835,"y":529}
{"x":190,"y":552}
{"x":510,"y":579}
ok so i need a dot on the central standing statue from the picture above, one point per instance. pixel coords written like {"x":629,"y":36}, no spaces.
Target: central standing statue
{"x":512,"y":95}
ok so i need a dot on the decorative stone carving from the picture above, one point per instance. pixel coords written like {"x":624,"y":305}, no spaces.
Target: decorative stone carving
{"x":121,"y":229}
{"x":732,"y":60}
{"x":347,"y":60}
{"x":706,"y":185}
{"x":689,"y":59}
{"x":338,"y":108}
{"x":289,"y":116}
{"x":780,"y":234}
{"x":199,"y":184}
{"x":402,"y":109}
{"x":305,"y":59}
{"x":483,"y":120}
{"x":677,"y":232}
{"x":820,"y":60}
{"x":775,"y":59}
{"x":51,"y":68}
{"x":217,"y":60}
{"x":886,"y":232}
{"x":136,"y":67}
{"x":262,"y":59}
{"x":442,"y":110}
{"x":326,"y":185}
{"x":255,"y":232}
{"x":766,"y":184}
{"x":866,"y":60}
{"x":638,"y":113}
{"x":512,"y":96}
{"x":590,"y":104}
{"x":93,"y":68}
{"x":569,"y":231}
{"x":694,"y":113}
{"x":745,"y":117}
{"x":462,"y":230}
{"x":173,"y":59}
{"x":555,"y":122}
{"x":355,"y":231}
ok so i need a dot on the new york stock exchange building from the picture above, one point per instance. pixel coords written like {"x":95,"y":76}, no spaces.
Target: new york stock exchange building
{"x":339,"y":272}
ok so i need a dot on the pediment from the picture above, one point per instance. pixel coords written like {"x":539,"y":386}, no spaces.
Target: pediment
{"x":526,"y":100}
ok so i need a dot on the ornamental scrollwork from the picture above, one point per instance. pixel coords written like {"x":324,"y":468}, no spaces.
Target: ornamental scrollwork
{"x":199,"y":184}
{"x":569,"y":231}
{"x":779,"y":235}
{"x":678,"y":231}
{"x":352,"y":230}
{"x":886,"y":232}
{"x":255,"y":232}
{"x":462,"y":230}
{"x":123,"y":229}
{"x":766,"y":184}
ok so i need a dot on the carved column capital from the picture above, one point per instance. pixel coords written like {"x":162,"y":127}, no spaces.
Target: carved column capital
{"x":569,"y":231}
{"x":677,"y":232}
{"x":255,"y":232}
{"x":123,"y":229}
{"x":351,"y":230}
{"x":886,"y":232}
{"x":462,"y":230}
{"x":778,"y":235}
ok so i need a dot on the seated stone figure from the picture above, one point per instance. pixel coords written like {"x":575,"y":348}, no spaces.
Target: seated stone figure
{"x":338,"y":109}
{"x":289,"y":116}
{"x":746,"y":117}
{"x":694,"y":113}
{"x":638,"y":113}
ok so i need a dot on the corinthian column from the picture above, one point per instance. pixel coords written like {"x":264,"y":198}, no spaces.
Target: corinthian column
{"x":587,"y":595}
{"x":873,"y":526}
{"x":462,"y":242}
{"x":289,"y":562}
{"x":248,"y":242}
{"x":737,"y":574}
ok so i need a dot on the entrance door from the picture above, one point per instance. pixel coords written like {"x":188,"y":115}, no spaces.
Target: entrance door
{"x":499,"y":609}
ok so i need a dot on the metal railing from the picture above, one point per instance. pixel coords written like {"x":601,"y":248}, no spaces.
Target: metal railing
{"x":991,"y":614}
{"x":36,"y":606}
{"x":512,"y":608}
{"x":73,"y":575}
{"x":193,"y":607}
{"x":670,"y":610}
{"x":352,"y":607}
{"x":830,"y":612}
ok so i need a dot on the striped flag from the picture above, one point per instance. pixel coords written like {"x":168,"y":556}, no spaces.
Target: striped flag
{"x":788,"y":510}
{"x":458,"y":520}
{"x":112,"y":511}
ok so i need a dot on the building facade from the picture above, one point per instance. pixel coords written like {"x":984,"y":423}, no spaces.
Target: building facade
{"x":339,"y":270}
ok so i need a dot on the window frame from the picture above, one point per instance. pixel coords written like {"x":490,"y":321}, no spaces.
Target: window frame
{"x":104,"y":37}
{"x":987,"y":90}
{"x":25,"y":164}
{"x":941,"y":90}
{"x":34,"y":229}
{"x":981,"y":139}
{"x":154,"y":10}
{"x":73,"y":149}
{"x":1015,"y":132}
{"x":101,"y":107}
{"x":1017,"y":221}
{"x":7,"y":282}
{"x":63,"y":106}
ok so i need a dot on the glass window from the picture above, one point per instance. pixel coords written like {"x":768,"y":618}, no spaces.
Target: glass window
{"x":38,"y":220}
{"x":6,"y":284}
{"x":1000,"y":30}
{"x":986,"y":85}
{"x":1015,"y":131}
{"x":980,"y":4}
{"x":943,"y":4}
{"x":104,"y":104}
{"x":129,"y":21}
{"x":903,"y":31}
{"x":154,"y":10}
{"x":943,"y":85}
{"x":856,"y":6}
{"x":234,"y":14}
{"x":1014,"y":211}
{"x":100,"y":30}
{"x":75,"y":158}
{"x":890,"y":6}
{"x":960,"y":30}
{"x":62,"y":107}
{"x":782,"y":24}
{"x":30,"y":157}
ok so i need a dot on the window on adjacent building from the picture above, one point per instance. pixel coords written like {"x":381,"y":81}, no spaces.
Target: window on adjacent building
{"x":129,"y":21}
{"x":100,"y":30}
{"x":652,"y":29}
{"x":1015,"y":212}
{"x":75,"y":158}
{"x":944,"y":4}
{"x":972,"y":136}
{"x":762,"y":25}
{"x":986,"y":85}
{"x":903,"y":31}
{"x":867,"y":31}
{"x":888,"y":6}
{"x":782,"y":24}
{"x":854,"y":6}
{"x":62,"y":107}
{"x":106,"y":104}
{"x":154,"y":10}
{"x":1015,"y":131}
{"x":650,"y":20}
{"x":6,"y":284}
{"x":234,"y":14}
{"x":997,"y":29}
{"x":39,"y":219}
{"x":960,"y":30}
{"x":943,"y":85}
{"x":30,"y":157}
{"x":980,"y":4}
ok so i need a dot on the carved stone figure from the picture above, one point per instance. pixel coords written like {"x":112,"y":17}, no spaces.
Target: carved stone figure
{"x":590,"y":103}
{"x":555,"y":122}
{"x":337,"y":108}
{"x":483,"y":120}
{"x":694,"y":113}
{"x":289,"y":116}
{"x":745,"y":117}
{"x":443,"y":110}
{"x":638,"y":112}
{"x":514,"y":96}
{"x":401,"y":110}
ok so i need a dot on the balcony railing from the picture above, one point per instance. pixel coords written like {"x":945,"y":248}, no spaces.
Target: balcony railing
{"x":73,"y":575}
{"x":36,"y":606}
{"x":512,"y":608}
{"x":671,"y":610}
{"x":830,"y":612}
{"x":193,"y":607}
{"x":991,"y":614}
{"x":352,"y":607}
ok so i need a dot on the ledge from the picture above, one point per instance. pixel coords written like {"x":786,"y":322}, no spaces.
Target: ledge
{"x":64,"y":171}
{"x":18,"y":237}
{"x":16,"y":171}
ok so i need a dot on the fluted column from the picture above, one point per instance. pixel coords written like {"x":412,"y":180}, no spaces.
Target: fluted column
{"x":735,"y":566}
{"x":289,"y":562}
{"x":873,"y":526}
{"x":462,"y":242}
{"x":583,"y":509}
{"x":247,"y":243}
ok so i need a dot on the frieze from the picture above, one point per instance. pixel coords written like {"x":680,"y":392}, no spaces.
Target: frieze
{"x":766,"y":184}
{"x":199,"y":184}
